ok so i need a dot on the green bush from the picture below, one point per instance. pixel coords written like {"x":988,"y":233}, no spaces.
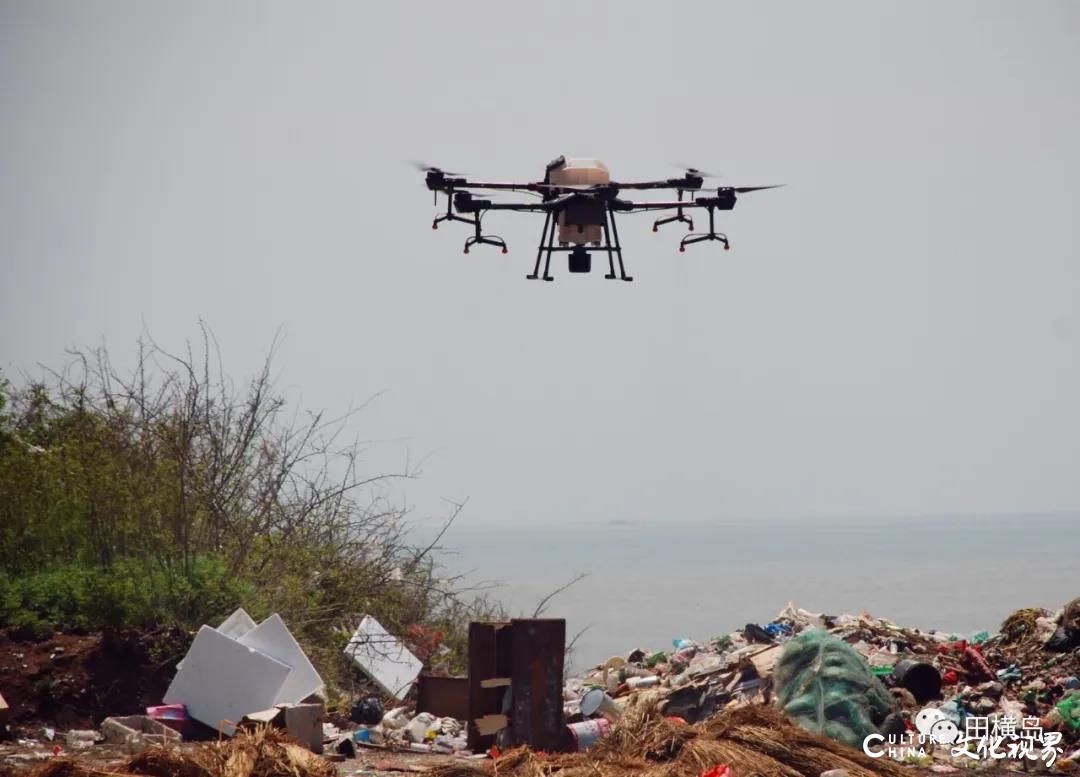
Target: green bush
{"x":127,"y":594}
{"x":169,"y":496}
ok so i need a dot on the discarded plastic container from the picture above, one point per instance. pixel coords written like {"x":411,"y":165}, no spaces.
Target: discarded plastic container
{"x":588,"y":732}
{"x":1069,"y":707}
{"x":777,"y":629}
{"x":1009,"y":673}
{"x":396,"y":718}
{"x":417,"y":730}
{"x":172,"y":715}
{"x":642,"y":682}
{"x":78,"y":740}
{"x":595,"y":701}
{"x":919,"y":677}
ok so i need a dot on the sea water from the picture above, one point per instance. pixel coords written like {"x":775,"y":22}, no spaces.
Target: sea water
{"x":650,"y":583}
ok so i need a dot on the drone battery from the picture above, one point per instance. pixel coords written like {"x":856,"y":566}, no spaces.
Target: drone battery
{"x":580,"y":261}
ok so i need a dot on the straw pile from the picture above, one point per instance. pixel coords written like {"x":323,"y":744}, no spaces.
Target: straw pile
{"x":756,"y":741}
{"x":263,"y":752}
{"x":1020,"y":629}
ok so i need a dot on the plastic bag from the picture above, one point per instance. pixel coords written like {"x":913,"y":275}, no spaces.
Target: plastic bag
{"x":827,"y":687}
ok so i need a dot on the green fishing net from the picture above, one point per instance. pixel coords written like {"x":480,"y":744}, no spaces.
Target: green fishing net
{"x":827,"y":687}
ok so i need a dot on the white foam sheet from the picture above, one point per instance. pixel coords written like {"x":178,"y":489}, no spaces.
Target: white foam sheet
{"x":383,"y":658}
{"x":223,"y":680}
{"x":237,"y":625}
{"x":272,"y":637}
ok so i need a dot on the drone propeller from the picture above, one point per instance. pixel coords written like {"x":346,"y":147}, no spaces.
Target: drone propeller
{"x":743,"y":189}
{"x":697,"y":173}
{"x":424,"y":167}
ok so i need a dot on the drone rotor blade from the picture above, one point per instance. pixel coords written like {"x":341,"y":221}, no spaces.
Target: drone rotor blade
{"x":424,"y":167}
{"x":695,"y":171}
{"x":743,"y":189}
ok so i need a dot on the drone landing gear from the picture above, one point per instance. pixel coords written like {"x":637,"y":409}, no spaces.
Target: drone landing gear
{"x":578,"y":254}
{"x":476,"y":239}
{"x":679,"y":216}
{"x":609,"y":218}
{"x":491,"y":240}
{"x":480,"y":239}
{"x":712,"y":234}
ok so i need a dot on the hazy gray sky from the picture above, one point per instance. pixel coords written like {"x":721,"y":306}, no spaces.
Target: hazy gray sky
{"x":896,"y":331}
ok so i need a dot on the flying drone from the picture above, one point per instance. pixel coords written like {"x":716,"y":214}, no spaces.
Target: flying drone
{"x":579,"y":202}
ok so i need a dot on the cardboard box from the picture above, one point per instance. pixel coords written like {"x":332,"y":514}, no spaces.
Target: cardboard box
{"x":302,"y":722}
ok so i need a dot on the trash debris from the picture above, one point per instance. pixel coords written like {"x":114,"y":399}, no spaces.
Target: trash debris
{"x":596,"y":701}
{"x":137,"y":732}
{"x":5,"y":712}
{"x":368,"y":712}
{"x":302,"y":722}
{"x":79,"y":740}
{"x":443,"y":696}
{"x":221,"y":680}
{"x":383,"y":658}
{"x":752,"y":740}
{"x":882,"y":676}
{"x":272,"y":638}
{"x":172,"y":715}
{"x":224,"y":677}
{"x":827,"y":687}
{"x":588,"y":732}
{"x":919,"y":677}
{"x":237,"y":625}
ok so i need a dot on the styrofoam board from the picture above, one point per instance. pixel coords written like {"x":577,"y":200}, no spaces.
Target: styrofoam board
{"x":222,"y":680}
{"x":237,"y":625}
{"x":273,"y":638}
{"x":383,"y":658}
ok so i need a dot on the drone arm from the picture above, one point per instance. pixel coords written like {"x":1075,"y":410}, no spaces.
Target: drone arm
{"x":686,"y":184}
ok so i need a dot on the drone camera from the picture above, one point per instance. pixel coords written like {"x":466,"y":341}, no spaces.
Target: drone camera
{"x":580,"y":261}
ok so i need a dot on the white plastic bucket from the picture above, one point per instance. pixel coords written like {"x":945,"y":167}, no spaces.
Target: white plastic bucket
{"x":588,"y":732}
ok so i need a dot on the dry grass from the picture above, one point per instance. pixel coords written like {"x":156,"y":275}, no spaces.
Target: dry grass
{"x":264,"y":752}
{"x":756,"y":741}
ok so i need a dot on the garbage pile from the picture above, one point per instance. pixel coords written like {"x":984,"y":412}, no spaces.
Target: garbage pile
{"x":240,"y":668}
{"x":799,"y":695}
{"x":852,"y":676}
{"x":747,"y":742}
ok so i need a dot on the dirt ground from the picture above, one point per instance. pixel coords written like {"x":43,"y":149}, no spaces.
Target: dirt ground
{"x":72,"y":681}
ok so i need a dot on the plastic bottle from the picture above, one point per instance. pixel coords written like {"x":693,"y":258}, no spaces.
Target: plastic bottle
{"x":1069,"y":707}
{"x":396,"y":718}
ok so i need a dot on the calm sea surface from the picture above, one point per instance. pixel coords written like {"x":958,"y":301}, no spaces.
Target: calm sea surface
{"x":650,"y":583}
